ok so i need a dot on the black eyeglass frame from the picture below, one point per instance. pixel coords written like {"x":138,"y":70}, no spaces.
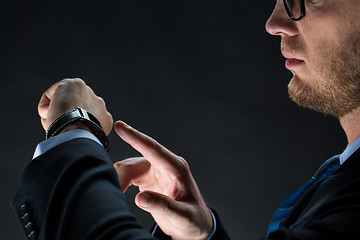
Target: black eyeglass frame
{"x":302,"y":9}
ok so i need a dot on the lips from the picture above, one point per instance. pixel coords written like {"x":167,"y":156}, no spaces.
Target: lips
{"x":289,"y":63}
{"x":291,"y":60}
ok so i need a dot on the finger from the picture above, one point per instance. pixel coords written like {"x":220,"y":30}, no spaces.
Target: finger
{"x":159,"y":204}
{"x":130,"y":171}
{"x":148,"y":147}
{"x":45,"y":100}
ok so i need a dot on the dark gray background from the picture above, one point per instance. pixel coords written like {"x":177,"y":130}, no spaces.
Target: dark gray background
{"x":202,"y":77}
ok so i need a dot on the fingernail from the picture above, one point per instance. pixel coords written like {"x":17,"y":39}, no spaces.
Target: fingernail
{"x":145,"y":200}
{"x":121,"y":123}
{"x":121,"y":127}
{"x":124,"y":123}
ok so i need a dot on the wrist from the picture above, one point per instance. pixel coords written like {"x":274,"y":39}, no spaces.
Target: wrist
{"x":75,"y":125}
{"x":78,"y":119}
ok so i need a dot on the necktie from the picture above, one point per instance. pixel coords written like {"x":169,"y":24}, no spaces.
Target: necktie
{"x":285,"y":206}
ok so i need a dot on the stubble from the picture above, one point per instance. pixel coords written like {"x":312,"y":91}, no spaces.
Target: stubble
{"x":334,"y":87}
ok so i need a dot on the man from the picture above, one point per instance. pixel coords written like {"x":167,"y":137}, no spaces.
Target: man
{"x":69,"y":190}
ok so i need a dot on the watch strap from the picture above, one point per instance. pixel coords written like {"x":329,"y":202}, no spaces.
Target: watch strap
{"x":83,"y":116}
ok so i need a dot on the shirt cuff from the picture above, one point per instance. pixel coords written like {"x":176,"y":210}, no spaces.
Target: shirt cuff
{"x":52,"y":142}
{"x":214,"y":229}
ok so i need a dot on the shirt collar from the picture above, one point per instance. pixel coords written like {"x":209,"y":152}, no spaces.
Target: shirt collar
{"x":349,"y":150}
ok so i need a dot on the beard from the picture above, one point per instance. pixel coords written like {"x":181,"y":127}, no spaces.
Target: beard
{"x":334,"y":88}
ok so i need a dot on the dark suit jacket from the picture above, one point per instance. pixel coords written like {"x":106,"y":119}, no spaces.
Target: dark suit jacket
{"x":328,"y":210}
{"x":72,"y":192}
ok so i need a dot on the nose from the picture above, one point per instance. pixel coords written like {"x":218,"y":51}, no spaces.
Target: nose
{"x":279,"y":22}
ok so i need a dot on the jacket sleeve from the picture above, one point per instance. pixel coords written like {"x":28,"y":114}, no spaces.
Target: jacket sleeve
{"x":72,"y":192}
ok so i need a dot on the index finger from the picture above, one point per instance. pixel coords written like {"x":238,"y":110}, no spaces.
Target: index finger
{"x":155,"y":153}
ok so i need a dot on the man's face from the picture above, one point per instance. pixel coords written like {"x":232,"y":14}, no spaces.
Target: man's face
{"x":323,"y":53}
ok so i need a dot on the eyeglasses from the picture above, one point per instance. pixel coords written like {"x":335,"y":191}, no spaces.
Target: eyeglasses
{"x":295,"y":9}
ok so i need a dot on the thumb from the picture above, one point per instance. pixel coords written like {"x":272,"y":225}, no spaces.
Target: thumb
{"x":45,"y":100}
{"x":131,"y":170}
{"x":180,"y":220}
{"x":157,"y":204}
{"x":44,"y":105}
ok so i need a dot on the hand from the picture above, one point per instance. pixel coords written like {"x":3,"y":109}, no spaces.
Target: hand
{"x":168,"y":190}
{"x":67,"y":95}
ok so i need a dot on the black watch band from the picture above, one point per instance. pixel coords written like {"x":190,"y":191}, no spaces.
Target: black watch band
{"x":78,"y":114}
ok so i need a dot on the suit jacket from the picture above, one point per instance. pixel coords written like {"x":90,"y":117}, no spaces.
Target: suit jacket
{"x":72,"y":192}
{"x":328,"y":210}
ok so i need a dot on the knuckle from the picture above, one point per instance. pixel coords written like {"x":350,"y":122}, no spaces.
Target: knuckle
{"x":78,"y":81}
{"x":65,"y":80}
{"x":183,"y":163}
{"x":110,"y":119}
{"x":72,"y":82}
{"x":89,"y":90}
{"x":63,"y":86}
{"x":101,"y":101}
{"x":155,"y":148}
{"x":63,"y":83}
